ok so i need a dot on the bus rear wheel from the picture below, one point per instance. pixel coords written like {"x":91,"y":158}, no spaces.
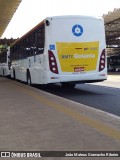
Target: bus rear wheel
{"x":3,"y":73}
{"x":28,"y":78}
{"x":14,"y":77}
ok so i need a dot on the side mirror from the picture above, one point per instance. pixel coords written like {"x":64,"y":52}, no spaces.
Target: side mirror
{"x":47,"y":23}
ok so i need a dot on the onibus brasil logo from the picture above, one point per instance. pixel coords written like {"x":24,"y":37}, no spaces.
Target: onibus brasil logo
{"x":77,"y":30}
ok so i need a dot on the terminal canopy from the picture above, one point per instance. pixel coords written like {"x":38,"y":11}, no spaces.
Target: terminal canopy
{"x":112,"y":29}
{"x":7,"y":9}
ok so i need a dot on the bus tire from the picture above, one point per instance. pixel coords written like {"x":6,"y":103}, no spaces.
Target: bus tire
{"x":28,"y":78}
{"x":14,"y":77}
{"x":3,"y":73}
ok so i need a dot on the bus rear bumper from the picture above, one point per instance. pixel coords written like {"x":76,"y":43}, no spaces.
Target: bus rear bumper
{"x":84,"y":78}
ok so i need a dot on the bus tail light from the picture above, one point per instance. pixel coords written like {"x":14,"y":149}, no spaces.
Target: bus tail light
{"x":52,"y":62}
{"x":102,"y":61}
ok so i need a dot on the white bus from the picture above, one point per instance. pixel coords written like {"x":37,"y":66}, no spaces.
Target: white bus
{"x":5,"y":62}
{"x":62,"y":49}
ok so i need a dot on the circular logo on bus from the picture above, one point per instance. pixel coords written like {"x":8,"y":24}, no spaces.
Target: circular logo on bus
{"x":77,"y":30}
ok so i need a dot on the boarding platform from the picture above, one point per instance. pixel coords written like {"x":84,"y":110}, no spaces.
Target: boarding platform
{"x":34,"y":120}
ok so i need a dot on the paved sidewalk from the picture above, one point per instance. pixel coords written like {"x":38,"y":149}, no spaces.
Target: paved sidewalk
{"x":33,"y":120}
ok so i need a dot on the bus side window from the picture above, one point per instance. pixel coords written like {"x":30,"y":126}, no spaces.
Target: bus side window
{"x":11,"y":55}
{"x":35,"y":44}
{"x":27,"y":46}
{"x":15,"y":52}
{"x":32,"y":44}
{"x":20,"y":51}
{"x":0,"y":58}
{"x":40,"y":40}
{"x":3,"y":57}
{"x":24,"y":49}
{"x":118,"y":60}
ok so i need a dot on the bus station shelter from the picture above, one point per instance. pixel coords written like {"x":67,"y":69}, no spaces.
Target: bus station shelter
{"x":7,"y":10}
{"x":112,"y":29}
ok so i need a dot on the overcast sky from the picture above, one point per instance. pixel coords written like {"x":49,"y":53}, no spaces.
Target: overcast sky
{"x":31,"y":12}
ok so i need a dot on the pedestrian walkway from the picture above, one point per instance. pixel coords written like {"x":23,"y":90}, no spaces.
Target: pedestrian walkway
{"x":33,"y":120}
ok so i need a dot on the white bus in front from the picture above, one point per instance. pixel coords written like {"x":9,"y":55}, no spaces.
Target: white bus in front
{"x":5,"y":62}
{"x":63,"y":49}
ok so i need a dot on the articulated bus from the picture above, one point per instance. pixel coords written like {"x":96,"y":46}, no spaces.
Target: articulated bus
{"x":62,"y":49}
{"x":5,"y":63}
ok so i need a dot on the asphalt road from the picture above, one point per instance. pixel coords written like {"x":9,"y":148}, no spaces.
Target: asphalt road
{"x":104,"y":95}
